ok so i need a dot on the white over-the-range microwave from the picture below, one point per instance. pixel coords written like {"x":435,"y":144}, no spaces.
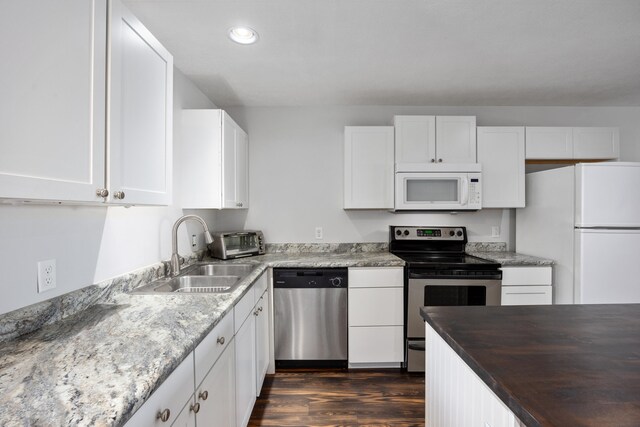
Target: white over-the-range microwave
{"x":444,"y":187}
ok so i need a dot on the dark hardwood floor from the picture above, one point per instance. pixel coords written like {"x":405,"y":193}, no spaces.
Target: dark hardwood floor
{"x":340,"y":397}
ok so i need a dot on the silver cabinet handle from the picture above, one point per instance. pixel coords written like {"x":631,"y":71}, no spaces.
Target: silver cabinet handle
{"x":220,"y":340}
{"x":164,"y":415}
{"x":195,"y":408}
{"x":433,"y":160}
{"x":260,"y":308}
{"x":119,"y":195}
{"x":255,"y":313}
{"x":102,"y":192}
{"x":439,"y":160}
{"x":239,"y":204}
{"x":204,"y":395}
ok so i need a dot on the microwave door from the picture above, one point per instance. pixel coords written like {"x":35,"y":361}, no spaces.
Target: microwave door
{"x":431,"y":191}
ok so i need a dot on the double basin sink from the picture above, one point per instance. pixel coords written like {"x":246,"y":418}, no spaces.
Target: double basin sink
{"x":200,"y":278}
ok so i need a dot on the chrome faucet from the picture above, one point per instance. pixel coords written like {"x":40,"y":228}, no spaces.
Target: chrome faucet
{"x":175,"y":258}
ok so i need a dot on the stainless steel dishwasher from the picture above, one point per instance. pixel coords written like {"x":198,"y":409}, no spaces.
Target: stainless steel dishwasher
{"x":310,"y":317}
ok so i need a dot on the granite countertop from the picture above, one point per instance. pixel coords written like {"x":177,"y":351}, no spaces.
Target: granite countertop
{"x":512,"y":259}
{"x":98,"y":366}
{"x":562,"y":365}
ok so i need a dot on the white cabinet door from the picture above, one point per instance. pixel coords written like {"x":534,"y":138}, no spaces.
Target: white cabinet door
{"x":262,"y":340}
{"x":242,"y":169}
{"x":376,"y":306}
{"x":245,"y":342}
{"x":368,"y":167}
{"x":140,"y":113}
{"x":216,"y":394}
{"x":169,"y":399}
{"x":501,"y":154}
{"x":456,"y":139}
{"x":549,"y":143}
{"x":376,"y":344}
{"x":415,"y":139}
{"x":596,"y":143}
{"x":52,"y":112}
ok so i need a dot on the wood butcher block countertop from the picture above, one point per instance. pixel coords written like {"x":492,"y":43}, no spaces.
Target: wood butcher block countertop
{"x":560,"y":365}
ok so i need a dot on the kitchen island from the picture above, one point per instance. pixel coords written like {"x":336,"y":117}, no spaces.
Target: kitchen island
{"x":561,"y":365}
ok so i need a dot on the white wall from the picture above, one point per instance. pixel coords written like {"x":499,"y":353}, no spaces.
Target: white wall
{"x":90,"y":244}
{"x":296,"y":167}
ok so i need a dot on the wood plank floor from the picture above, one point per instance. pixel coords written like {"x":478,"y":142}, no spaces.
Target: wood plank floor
{"x":340,"y":397}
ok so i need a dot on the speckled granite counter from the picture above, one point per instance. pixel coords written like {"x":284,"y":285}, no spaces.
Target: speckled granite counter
{"x":99,"y":365}
{"x":512,"y":259}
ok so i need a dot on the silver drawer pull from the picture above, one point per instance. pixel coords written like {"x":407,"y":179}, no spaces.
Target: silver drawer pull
{"x":195,"y":408}
{"x":204,"y":395}
{"x":164,"y":415}
{"x":220,"y":340}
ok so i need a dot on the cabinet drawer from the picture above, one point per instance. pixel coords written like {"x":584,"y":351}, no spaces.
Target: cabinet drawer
{"x":522,"y":276}
{"x":211,"y":347}
{"x":549,"y":143}
{"x":259,"y":286}
{"x":526,"y":295}
{"x":376,"y":307}
{"x":372,"y":277}
{"x":379,"y":344}
{"x":242,"y":309}
{"x":173,"y":394}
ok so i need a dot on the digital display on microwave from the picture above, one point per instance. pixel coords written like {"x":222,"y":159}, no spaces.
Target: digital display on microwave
{"x":474,"y":179}
{"x":428,"y":232}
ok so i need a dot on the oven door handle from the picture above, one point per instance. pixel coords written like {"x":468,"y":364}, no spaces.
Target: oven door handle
{"x":418,"y":346}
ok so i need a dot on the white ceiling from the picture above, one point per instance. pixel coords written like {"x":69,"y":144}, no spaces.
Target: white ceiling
{"x":405,"y":52}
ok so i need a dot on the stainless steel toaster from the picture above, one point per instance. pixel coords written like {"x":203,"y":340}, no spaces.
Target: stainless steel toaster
{"x":237,"y":244}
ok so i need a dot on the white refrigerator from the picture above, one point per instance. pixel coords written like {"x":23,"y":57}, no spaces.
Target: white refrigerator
{"x":587,"y":219}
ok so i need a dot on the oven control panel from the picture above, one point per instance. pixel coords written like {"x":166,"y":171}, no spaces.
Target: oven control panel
{"x":427,"y":233}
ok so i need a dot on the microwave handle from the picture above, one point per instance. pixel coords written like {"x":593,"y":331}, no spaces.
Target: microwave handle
{"x":465,"y":191}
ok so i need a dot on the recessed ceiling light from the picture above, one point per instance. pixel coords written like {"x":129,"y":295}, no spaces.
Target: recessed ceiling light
{"x":243,"y":35}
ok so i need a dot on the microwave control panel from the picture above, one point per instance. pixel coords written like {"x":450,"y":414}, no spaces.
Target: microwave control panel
{"x":475,"y":191}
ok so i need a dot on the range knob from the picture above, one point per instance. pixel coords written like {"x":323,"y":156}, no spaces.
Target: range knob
{"x":398,"y":232}
{"x":451,"y":233}
{"x":336,"y":281}
{"x":406,"y":232}
{"x":459,"y":233}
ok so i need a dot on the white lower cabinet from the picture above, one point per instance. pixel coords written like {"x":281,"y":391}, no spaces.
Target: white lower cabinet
{"x":262,"y":340}
{"x":167,"y":404}
{"x":376,"y":316}
{"x":245,"y":366}
{"x":526,"y":286}
{"x":216,"y":393}
{"x":226,"y":370}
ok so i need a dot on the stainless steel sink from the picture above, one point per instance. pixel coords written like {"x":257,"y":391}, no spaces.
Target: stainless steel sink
{"x":199,"y":279}
{"x":220,"y":270}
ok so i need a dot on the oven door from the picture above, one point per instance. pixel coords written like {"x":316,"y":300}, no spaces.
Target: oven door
{"x":438,"y":191}
{"x":439,"y":292}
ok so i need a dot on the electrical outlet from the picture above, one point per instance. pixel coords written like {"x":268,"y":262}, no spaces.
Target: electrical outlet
{"x":495,"y":231}
{"x":46,"y":275}
{"x":318,"y":233}
{"x":194,"y":241}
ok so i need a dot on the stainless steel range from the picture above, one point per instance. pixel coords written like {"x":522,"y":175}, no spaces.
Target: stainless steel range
{"x":439,"y":272}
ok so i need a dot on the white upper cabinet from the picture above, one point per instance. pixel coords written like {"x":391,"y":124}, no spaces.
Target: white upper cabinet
{"x":456,"y":139}
{"x":549,"y":143}
{"x":572,"y":143}
{"x":212,"y":161}
{"x":435,"y":139}
{"x":596,"y":143}
{"x":415,"y":139}
{"x":501,"y":154}
{"x":103,"y":105}
{"x":52,"y":111}
{"x":368,"y":167}
{"x":140,"y":113}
